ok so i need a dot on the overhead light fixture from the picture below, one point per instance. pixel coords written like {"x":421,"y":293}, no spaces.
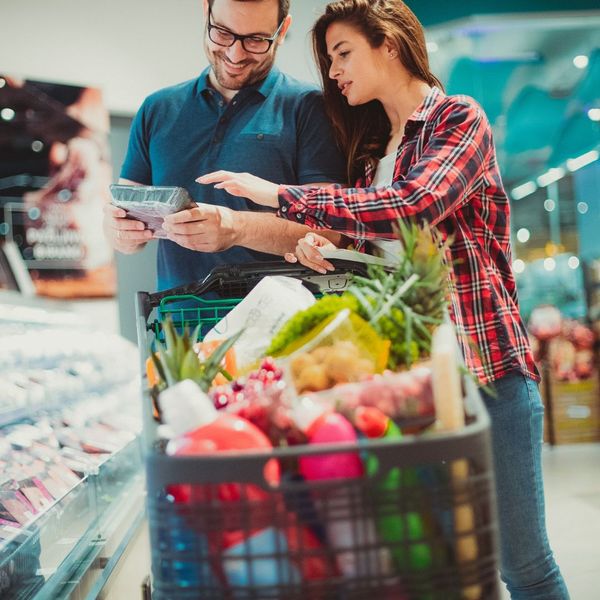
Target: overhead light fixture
{"x":526,"y":189}
{"x":7,"y":114}
{"x":594,"y":114}
{"x":34,"y":213}
{"x":515,"y":57}
{"x":550,"y":176}
{"x":549,"y":264}
{"x":573,"y":262}
{"x":582,"y":207}
{"x":581,"y":61}
{"x":518,"y":266}
{"x":581,"y":161}
{"x":549,"y":205}
{"x":523,"y":235}
{"x":432,"y":47}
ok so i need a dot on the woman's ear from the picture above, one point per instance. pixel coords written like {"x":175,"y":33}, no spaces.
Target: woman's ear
{"x":391,"y":50}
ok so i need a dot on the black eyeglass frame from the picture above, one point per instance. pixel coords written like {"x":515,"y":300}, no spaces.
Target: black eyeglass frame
{"x":242,"y":38}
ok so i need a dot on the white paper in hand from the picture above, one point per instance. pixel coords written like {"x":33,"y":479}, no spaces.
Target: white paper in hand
{"x":262,"y":313}
{"x":353,"y":255}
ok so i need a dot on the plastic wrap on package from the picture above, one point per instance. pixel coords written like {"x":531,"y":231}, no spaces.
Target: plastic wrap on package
{"x":150,"y":204}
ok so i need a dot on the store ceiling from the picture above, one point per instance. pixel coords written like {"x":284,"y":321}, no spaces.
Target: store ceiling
{"x":521,"y":69}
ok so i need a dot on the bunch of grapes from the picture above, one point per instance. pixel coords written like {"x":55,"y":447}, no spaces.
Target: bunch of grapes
{"x":258,"y":398}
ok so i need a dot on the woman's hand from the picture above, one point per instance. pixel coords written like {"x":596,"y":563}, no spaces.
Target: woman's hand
{"x":245,"y":185}
{"x":307,"y":252}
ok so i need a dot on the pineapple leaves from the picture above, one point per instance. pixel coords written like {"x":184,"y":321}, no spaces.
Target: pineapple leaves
{"x":176,"y":358}
{"x":405,"y":304}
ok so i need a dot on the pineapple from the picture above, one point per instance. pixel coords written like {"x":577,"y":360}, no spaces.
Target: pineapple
{"x":177,"y":360}
{"x":406,"y":304}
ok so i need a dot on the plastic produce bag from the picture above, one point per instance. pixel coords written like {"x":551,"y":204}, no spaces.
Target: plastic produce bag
{"x":406,"y":397}
{"x":344,"y":348}
{"x":261,"y":313}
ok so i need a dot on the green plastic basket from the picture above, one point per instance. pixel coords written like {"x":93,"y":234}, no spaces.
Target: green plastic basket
{"x":195,"y":311}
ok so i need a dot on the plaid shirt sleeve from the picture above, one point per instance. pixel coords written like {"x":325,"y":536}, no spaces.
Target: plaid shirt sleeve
{"x":439,"y":183}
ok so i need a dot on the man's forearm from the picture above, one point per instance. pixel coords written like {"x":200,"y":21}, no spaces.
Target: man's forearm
{"x":266,"y":232}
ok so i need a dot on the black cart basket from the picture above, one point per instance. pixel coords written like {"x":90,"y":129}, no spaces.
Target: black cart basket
{"x":421,"y":527}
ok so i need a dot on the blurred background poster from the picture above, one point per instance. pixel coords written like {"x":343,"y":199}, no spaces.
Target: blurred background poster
{"x":54,"y":176}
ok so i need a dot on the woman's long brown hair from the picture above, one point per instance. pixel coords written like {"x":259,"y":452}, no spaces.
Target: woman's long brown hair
{"x":362,"y":131}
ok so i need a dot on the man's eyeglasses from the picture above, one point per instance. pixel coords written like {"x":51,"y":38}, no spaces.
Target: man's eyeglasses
{"x":254,"y":44}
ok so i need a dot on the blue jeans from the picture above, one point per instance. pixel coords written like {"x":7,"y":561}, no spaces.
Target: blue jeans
{"x":527,"y":565}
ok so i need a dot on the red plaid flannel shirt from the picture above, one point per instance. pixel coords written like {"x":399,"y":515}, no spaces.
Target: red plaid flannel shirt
{"x":445,"y":174}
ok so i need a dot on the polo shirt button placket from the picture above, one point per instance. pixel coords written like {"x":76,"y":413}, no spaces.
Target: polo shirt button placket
{"x":219,"y":134}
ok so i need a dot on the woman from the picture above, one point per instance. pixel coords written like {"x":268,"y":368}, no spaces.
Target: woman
{"x":418,"y":154}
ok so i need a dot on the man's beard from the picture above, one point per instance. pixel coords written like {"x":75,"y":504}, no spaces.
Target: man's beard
{"x":256,"y":72}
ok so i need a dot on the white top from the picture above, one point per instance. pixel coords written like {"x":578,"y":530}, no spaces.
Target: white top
{"x":384,"y":175}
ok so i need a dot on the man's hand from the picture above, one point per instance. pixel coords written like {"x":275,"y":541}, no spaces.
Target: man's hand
{"x":124,"y":235}
{"x":248,"y":186}
{"x":207,"y":228}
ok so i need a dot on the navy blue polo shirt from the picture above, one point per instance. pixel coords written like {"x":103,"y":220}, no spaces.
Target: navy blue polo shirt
{"x":276,"y":129}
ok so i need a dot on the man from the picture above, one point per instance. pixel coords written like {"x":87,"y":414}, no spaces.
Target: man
{"x":242,"y":113}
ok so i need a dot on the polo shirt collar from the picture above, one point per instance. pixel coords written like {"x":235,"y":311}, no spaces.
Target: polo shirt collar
{"x":268,"y":83}
{"x":263,"y":87}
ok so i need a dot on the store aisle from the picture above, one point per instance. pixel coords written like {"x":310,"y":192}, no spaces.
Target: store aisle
{"x":572,"y":475}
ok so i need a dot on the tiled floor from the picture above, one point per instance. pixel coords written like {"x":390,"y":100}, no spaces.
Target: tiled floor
{"x":572,"y":479}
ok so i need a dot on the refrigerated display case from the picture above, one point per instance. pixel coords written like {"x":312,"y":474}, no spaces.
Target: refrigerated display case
{"x":65,"y":383}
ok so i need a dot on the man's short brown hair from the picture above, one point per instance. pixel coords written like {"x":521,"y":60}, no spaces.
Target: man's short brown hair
{"x":284,"y":7}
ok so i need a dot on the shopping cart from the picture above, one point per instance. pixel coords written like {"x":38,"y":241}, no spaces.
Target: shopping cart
{"x":435,"y":527}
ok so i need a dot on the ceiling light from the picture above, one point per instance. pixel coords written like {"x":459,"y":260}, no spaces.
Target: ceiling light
{"x":581,"y":61}
{"x":7,"y":114}
{"x":594,"y":114}
{"x":523,"y":235}
{"x":549,"y":204}
{"x":573,"y":262}
{"x":581,"y":161}
{"x":34,"y":213}
{"x":550,"y":176}
{"x":37,"y":146}
{"x":432,"y":47}
{"x":512,"y":57}
{"x":582,"y":207}
{"x":523,"y":190}
{"x":518,"y":266}
{"x":549,"y":264}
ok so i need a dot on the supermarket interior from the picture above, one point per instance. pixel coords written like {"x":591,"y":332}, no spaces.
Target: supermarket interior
{"x":164,"y":426}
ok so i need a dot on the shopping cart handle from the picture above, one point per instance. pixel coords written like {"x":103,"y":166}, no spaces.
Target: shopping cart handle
{"x":235,"y":281}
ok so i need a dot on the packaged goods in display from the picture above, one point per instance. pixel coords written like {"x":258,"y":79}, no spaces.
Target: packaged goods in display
{"x":68,"y":417}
